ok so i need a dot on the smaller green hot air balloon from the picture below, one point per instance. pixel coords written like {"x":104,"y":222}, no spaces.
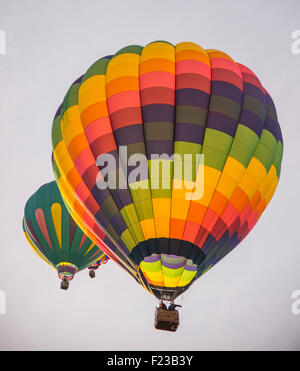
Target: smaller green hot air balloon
{"x":54,"y":235}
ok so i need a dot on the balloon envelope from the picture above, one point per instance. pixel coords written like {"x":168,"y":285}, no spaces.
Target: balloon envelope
{"x":147,"y":108}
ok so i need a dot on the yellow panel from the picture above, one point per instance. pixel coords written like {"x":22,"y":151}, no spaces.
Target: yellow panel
{"x":158,"y":50}
{"x":93,"y":82}
{"x":211,"y":176}
{"x":148,"y":228}
{"x":208,"y":193}
{"x":124,"y":58}
{"x":234,"y":169}
{"x":257,"y":170}
{"x":270,"y":194}
{"x":124,"y":69}
{"x":226,"y":186}
{"x":90,"y":248}
{"x":72,"y":113}
{"x":92,"y":96}
{"x":171,"y":281}
{"x":161,"y":207}
{"x":180,"y":209}
{"x":153,"y":276}
{"x":162,"y":227}
{"x":66,"y":164}
{"x":72,"y":131}
{"x":248,"y":185}
{"x":56,"y":217}
{"x":180,"y":188}
{"x":265,"y":185}
{"x":59,"y":151}
{"x":189,"y":46}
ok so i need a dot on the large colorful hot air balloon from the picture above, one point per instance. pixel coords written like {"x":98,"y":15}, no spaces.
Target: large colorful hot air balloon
{"x":149,"y":108}
{"x":55,"y":237}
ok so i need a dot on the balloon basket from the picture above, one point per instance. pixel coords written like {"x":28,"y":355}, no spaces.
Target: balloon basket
{"x":92,"y":274}
{"x":64,"y":284}
{"x":166,"y":320}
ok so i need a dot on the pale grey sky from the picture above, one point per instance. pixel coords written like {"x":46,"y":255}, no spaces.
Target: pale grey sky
{"x":244,"y":302}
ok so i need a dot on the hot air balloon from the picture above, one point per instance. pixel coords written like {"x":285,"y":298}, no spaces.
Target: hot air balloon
{"x":93,"y":267}
{"x":168,"y":155}
{"x":55,"y":237}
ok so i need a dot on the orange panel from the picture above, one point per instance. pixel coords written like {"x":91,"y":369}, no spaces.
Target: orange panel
{"x":93,"y":112}
{"x":218,"y":203}
{"x":77,"y":145}
{"x":196,"y":212}
{"x":177,"y":228}
{"x":124,"y":83}
{"x":239,"y":200}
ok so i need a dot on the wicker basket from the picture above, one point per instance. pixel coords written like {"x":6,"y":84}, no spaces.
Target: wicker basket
{"x":167,"y":320}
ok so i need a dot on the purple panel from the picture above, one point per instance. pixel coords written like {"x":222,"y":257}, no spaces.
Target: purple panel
{"x":252,"y":121}
{"x":254,"y":92}
{"x":221,"y":122}
{"x":192,"y":97}
{"x":159,"y":147}
{"x":129,"y":135}
{"x":224,"y":89}
{"x":158,"y":113}
{"x":189,"y":133}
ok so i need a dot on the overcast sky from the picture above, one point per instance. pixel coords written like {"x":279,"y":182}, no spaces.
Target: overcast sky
{"x":244,"y":302}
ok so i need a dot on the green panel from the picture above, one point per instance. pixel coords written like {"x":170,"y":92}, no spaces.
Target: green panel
{"x":144,"y":209}
{"x":161,"y":193}
{"x":159,"y":131}
{"x":56,"y":132}
{"x":132,"y":49}
{"x":268,"y":139}
{"x":109,"y":207}
{"x":128,"y":240}
{"x":141,"y":194}
{"x":187,"y":147}
{"x":214,"y":158}
{"x":171,"y":272}
{"x":129,"y":215}
{"x":217,"y":139}
{"x":191,"y":115}
{"x":246,"y":136}
{"x":188,"y":275}
{"x":241,"y":153}
{"x":263,"y":154}
{"x":161,"y":179}
{"x":98,"y":68}
{"x":253,"y":105}
{"x":278,"y":158}
{"x":153,"y":266}
{"x":112,"y":233}
{"x":226,"y":106}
